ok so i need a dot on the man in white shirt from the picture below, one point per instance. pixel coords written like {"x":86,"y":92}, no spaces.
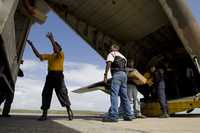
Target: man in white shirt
{"x":117,"y":63}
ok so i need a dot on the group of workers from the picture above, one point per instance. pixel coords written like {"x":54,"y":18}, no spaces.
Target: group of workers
{"x":117,"y":64}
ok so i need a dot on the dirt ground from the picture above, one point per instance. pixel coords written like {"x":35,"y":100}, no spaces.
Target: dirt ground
{"x":21,"y":123}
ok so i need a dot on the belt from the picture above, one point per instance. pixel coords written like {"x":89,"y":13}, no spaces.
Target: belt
{"x":55,"y":72}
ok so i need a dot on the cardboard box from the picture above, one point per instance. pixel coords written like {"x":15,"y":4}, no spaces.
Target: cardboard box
{"x":137,"y":77}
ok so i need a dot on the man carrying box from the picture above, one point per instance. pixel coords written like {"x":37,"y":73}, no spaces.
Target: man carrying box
{"x":133,"y":80}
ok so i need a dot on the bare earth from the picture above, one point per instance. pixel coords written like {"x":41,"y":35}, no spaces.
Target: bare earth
{"x":92,"y":124}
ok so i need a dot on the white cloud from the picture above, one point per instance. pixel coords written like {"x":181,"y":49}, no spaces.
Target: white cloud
{"x":83,"y":74}
{"x":29,"y":88}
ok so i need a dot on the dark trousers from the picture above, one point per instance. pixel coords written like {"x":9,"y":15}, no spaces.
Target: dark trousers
{"x":8,"y":98}
{"x":55,"y":80}
{"x":162,"y":99}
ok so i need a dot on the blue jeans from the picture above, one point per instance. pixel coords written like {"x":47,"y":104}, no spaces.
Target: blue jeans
{"x":119,"y":88}
{"x":162,"y":97}
{"x":133,"y":99}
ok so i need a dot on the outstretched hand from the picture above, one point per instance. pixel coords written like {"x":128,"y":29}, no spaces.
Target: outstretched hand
{"x":30,"y":42}
{"x":34,"y":49}
{"x":50,"y":35}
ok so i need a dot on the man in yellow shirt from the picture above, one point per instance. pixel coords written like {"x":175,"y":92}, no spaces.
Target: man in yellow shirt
{"x":54,"y":79}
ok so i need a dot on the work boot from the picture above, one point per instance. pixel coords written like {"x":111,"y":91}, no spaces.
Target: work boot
{"x":44,"y":116}
{"x":5,"y":115}
{"x":140,"y":116}
{"x":108,"y":119}
{"x":6,"y":111}
{"x":165,"y":115}
{"x":70,"y":113}
{"x":128,"y":118}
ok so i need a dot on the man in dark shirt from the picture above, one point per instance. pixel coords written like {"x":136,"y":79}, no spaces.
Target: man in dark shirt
{"x":159,"y":82}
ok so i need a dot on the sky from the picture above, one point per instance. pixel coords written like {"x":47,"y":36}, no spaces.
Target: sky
{"x":83,"y":66}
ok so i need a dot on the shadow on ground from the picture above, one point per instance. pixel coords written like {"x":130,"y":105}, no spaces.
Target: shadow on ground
{"x":21,"y":123}
{"x":29,"y":124}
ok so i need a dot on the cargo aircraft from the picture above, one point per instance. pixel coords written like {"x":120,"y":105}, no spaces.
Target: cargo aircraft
{"x":148,"y":31}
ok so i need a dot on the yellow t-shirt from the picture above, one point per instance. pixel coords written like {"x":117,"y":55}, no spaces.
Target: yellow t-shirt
{"x":55,"y":61}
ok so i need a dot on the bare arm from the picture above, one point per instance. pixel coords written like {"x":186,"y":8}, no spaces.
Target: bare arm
{"x":51,"y":38}
{"x":108,"y":66}
{"x":37,"y":54}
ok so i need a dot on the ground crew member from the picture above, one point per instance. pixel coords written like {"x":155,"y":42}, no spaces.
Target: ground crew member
{"x":159,"y":82}
{"x":191,"y":80}
{"x":132,"y":95}
{"x":7,"y":95}
{"x":54,"y":79}
{"x":117,"y":63}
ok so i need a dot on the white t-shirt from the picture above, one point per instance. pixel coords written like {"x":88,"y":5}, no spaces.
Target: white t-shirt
{"x":111,"y":56}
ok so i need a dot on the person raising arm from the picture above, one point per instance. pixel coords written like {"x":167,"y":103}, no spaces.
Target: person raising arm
{"x":54,"y":79}
{"x":37,"y":54}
